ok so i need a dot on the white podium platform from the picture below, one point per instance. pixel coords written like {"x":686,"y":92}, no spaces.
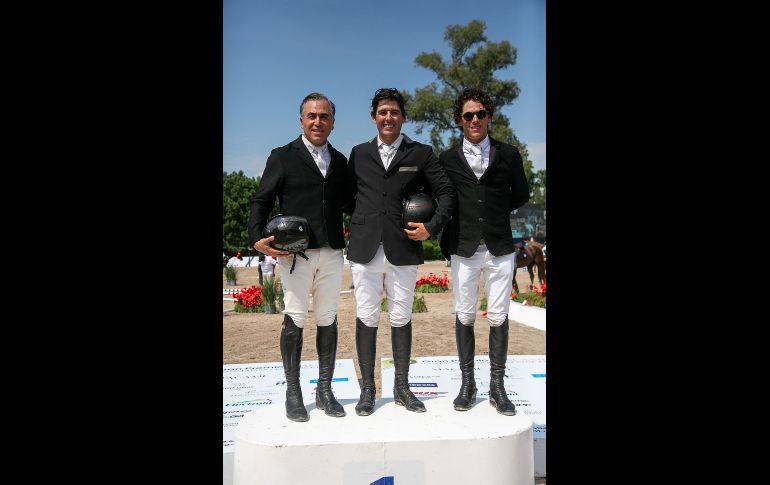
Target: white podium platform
{"x":440,"y":446}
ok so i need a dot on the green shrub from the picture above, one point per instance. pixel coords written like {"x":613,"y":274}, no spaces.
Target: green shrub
{"x":483,"y":305}
{"x":231,"y":273}
{"x":258,"y":308}
{"x":269,"y":291}
{"x":432,"y":250}
{"x":418,"y":304}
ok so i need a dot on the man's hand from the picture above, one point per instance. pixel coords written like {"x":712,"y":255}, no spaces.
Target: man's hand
{"x":264,"y":247}
{"x":418,"y":234}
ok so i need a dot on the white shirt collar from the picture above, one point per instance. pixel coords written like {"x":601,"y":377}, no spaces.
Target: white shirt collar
{"x":311,"y":147}
{"x":395,"y":144}
{"x":484,"y":144}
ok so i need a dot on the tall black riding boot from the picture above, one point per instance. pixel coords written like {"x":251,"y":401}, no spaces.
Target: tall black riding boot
{"x":291,"y":352}
{"x":326,"y":344}
{"x":466,"y":344}
{"x":401,"y":339}
{"x":498,"y":353}
{"x":366,"y":346}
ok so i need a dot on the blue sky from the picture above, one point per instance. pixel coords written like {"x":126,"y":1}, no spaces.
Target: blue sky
{"x":276,"y":52}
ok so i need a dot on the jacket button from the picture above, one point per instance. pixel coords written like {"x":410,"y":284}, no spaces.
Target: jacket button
{"x":480,"y":201}
{"x":481,"y":219}
{"x":383,"y":212}
{"x":384,"y":194}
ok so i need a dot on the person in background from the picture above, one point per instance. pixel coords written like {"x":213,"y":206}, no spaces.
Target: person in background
{"x":268,"y":265}
{"x":308,"y":177}
{"x":381,"y":172}
{"x":489,"y":178}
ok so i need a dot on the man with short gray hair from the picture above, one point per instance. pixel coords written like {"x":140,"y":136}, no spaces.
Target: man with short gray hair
{"x":308,"y":177}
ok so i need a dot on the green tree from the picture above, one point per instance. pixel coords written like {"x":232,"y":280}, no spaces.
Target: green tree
{"x":475,"y":59}
{"x":237,"y":192}
{"x":537,"y":187}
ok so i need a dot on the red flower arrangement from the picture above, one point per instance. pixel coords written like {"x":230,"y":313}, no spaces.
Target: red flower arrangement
{"x":531,"y":298}
{"x":249,"y":300}
{"x":432,"y":284}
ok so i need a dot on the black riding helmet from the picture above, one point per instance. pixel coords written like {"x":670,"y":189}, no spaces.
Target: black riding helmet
{"x":291,"y":234}
{"x":418,"y":207}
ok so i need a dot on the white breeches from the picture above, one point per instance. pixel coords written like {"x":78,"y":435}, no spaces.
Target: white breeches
{"x":320,"y":276}
{"x":398,"y":281}
{"x":498,"y":274}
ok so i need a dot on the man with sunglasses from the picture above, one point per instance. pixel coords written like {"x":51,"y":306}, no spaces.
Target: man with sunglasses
{"x":490,"y":182}
{"x":308,"y":177}
{"x":381,"y":172}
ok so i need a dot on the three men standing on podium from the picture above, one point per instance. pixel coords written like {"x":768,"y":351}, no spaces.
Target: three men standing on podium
{"x":476,"y":184}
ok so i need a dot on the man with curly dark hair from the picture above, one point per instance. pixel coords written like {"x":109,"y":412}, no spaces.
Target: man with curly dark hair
{"x":490,"y":183}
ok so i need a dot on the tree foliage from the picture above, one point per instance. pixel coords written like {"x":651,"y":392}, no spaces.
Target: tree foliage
{"x":538,"y":187}
{"x":474,"y":61}
{"x":237,"y":192}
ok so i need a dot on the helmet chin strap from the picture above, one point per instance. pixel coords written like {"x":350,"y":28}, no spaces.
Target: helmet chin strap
{"x":294,"y":261}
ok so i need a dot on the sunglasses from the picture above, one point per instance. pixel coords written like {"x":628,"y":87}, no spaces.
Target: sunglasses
{"x":480,"y":113}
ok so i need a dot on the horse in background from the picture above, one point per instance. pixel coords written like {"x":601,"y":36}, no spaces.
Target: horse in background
{"x":529,"y":256}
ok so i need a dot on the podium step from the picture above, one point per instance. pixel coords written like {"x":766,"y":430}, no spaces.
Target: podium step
{"x":438,"y":447}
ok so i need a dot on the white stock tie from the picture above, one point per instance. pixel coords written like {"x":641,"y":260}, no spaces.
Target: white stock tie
{"x":319,"y":160}
{"x":387,"y":152}
{"x":476,"y":163}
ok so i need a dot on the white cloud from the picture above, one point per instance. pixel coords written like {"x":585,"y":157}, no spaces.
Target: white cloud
{"x":537,"y":155}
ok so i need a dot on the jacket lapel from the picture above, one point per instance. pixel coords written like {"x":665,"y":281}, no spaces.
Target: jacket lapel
{"x":463,"y":162}
{"x":299,"y":145}
{"x":332,"y":159}
{"x":371,"y":149}
{"x":402,"y":151}
{"x":493,"y":157}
